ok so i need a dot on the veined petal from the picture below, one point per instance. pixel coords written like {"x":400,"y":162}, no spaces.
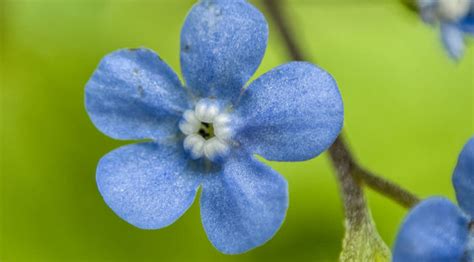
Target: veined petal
{"x":463,"y":178}
{"x":148,"y":185}
{"x":291,"y":113}
{"x":133,"y":94}
{"x":435,"y":230}
{"x":453,"y":40}
{"x":244,"y":205}
{"x":222,"y":45}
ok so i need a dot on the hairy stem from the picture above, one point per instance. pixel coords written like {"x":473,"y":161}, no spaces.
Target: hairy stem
{"x":361,"y":241}
{"x":355,"y":205}
{"x":385,"y":187}
{"x":351,"y":175}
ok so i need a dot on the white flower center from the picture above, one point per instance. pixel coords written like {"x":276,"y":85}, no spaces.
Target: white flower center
{"x":207,"y":130}
{"x":453,"y":10}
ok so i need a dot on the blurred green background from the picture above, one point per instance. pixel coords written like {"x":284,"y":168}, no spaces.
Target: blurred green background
{"x":409,"y":110}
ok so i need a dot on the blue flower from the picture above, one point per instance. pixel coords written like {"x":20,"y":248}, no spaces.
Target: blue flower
{"x":205,"y":134}
{"x":436,"y":229}
{"x":456,"y":18}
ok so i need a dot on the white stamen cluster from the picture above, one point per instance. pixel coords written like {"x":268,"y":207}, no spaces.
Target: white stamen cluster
{"x":207,"y":130}
{"x":453,"y":10}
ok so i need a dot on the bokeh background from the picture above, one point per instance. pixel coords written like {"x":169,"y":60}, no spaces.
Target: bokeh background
{"x":409,"y":110}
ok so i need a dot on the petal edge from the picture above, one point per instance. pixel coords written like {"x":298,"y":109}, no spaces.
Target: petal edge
{"x":463,"y":178}
{"x":133,"y":94}
{"x":453,"y":40}
{"x":243,"y":206}
{"x":292,"y":113}
{"x":435,"y":230}
{"x":222,"y":45}
{"x":147,"y":185}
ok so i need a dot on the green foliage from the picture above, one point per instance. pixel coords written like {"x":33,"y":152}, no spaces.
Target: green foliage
{"x":363,"y":243}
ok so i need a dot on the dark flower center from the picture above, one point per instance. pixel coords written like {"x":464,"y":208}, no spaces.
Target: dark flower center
{"x":206,"y":130}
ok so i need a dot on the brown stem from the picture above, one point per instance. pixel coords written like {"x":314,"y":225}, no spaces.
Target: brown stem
{"x":350,"y":174}
{"x":274,"y":7}
{"x":385,"y":187}
{"x":355,"y":205}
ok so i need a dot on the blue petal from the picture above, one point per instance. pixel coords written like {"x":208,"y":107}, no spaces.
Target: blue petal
{"x":463,"y":178}
{"x":133,"y":94}
{"x":148,"y":185}
{"x":435,"y":230}
{"x":428,"y":10}
{"x":244,"y":205}
{"x":453,"y":40}
{"x":469,"y":256}
{"x":291,"y":113}
{"x":222,"y":44}
{"x":467,"y":24}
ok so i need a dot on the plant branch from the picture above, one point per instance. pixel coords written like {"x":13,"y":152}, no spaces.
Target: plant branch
{"x":350,"y":174}
{"x":385,"y":187}
{"x":361,"y":241}
{"x":275,"y":10}
{"x":355,"y":205}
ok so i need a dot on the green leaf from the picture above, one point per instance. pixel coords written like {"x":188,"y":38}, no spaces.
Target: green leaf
{"x":363,"y":243}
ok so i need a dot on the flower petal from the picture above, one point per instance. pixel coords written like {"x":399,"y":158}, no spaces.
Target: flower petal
{"x":222,"y":45}
{"x":435,"y":230}
{"x":428,"y":10}
{"x":133,"y":94}
{"x":453,"y":40}
{"x":243,"y":206}
{"x":467,"y":24}
{"x":463,"y":178}
{"x":148,"y":185}
{"x":291,"y":113}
